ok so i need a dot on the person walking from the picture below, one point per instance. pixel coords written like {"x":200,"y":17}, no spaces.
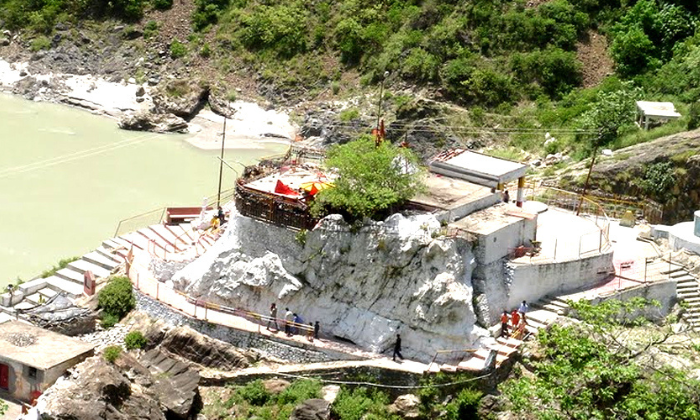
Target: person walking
{"x":273,"y":318}
{"x":397,"y":348}
{"x":523,"y":309}
{"x":288,"y":322}
{"x":504,"y":324}
{"x":317,"y":327}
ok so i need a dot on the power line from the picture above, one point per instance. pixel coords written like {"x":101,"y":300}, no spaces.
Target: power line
{"x":73,"y":156}
{"x":331,"y":381}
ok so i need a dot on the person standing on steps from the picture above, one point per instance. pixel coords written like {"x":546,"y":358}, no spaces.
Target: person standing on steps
{"x":397,"y":348}
{"x":504,"y":324}
{"x":506,"y":197}
{"x":317,"y":327}
{"x":514,"y":318}
{"x":288,"y":322}
{"x":523,"y":309}
{"x":273,"y":318}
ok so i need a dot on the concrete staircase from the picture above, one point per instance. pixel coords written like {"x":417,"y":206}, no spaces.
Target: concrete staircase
{"x":177,"y":242}
{"x":541,"y":314}
{"x":688,"y":291}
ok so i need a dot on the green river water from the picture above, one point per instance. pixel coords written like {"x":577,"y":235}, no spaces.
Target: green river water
{"x":67,"y":178}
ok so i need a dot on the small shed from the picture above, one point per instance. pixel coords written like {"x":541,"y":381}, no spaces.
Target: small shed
{"x":648,"y":112}
{"x":32,"y":358}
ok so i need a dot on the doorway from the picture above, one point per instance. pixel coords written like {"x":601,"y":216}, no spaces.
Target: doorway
{"x":4,"y":374}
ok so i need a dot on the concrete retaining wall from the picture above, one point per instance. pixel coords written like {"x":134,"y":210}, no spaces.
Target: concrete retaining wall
{"x":664,"y":292}
{"x":532,"y":282}
{"x":283,"y":349}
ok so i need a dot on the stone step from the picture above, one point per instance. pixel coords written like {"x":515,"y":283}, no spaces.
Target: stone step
{"x":504,"y":350}
{"x":25,"y":304}
{"x":110,"y":254}
{"x":554,"y":308}
{"x":81,"y":266}
{"x":484,"y":353}
{"x":686,"y":278}
{"x":693,"y":299}
{"x":59,"y":285}
{"x":70,"y":275}
{"x":472,"y":365}
{"x":47,"y":293}
{"x":154,"y":238}
{"x":693,"y":304}
{"x":686,"y":288}
{"x":32,"y":286}
{"x":510,"y":342}
{"x":168,"y":237}
{"x":535,"y":323}
{"x":135,"y":239}
{"x":679,"y":274}
{"x":110,"y":244}
{"x":36,"y":299}
{"x":686,"y":295}
{"x":96,"y":258}
{"x":674,"y":269}
{"x":121,"y":244}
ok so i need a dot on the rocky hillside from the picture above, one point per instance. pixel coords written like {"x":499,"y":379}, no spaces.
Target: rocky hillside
{"x":666,"y":170}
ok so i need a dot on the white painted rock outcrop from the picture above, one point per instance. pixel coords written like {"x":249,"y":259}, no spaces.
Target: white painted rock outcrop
{"x":364,"y":286}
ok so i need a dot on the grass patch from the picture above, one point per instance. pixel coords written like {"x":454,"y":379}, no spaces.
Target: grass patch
{"x":61,"y":265}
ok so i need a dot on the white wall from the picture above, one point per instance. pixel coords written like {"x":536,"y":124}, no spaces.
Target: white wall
{"x":499,"y":243}
{"x":532,"y":282}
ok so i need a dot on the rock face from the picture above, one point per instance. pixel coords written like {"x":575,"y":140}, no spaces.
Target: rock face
{"x":314,"y":409}
{"x":359,"y":285}
{"x":159,"y":123}
{"x":124,"y":390}
{"x":180,"y":97}
{"x":625,"y":172}
{"x":407,"y":406}
{"x":208,"y":352}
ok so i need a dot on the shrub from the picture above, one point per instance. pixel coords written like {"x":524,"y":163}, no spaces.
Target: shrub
{"x":162,"y":4}
{"x":178,"y":49}
{"x":61,"y":265}
{"x":117,"y":297}
{"x":694,"y":116}
{"x":299,"y":391}
{"x":349,"y":114}
{"x":205,"y":51}
{"x":278,"y":28}
{"x":40,"y":43}
{"x":112,"y":353}
{"x":359,"y":403}
{"x":108,"y":320}
{"x":135,"y":340}
{"x":464,"y":406}
{"x":254,"y":392}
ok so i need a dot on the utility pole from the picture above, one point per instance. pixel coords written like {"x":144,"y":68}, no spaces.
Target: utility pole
{"x":590,"y":169}
{"x":221,"y":159}
{"x":381,"y":95}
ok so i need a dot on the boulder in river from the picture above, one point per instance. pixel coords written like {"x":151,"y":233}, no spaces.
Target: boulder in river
{"x":158,"y":123}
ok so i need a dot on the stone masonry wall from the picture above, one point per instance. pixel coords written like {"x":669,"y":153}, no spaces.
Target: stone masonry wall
{"x":292,"y":352}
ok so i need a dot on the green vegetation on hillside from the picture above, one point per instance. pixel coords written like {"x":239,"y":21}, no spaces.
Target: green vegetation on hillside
{"x":513,"y":63}
{"x":600,"y":369}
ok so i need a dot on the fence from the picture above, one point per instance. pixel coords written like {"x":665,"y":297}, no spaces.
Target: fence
{"x":271,"y":208}
{"x":157,"y":216}
{"x":201,"y":309}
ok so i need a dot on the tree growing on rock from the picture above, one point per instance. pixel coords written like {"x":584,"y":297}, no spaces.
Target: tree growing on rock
{"x":117,"y":297}
{"x":372,"y":180}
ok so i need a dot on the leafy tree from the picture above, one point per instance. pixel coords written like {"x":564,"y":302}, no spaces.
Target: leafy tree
{"x":117,"y":297}
{"x":611,"y":114}
{"x":587,"y":371}
{"x":371,"y":179}
{"x":658,"y":181}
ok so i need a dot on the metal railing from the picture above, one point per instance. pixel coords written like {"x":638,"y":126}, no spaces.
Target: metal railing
{"x":198,"y":308}
{"x":156,"y":216}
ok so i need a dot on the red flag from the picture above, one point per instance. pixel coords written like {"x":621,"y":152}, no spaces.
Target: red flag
{"x":281,"y":188}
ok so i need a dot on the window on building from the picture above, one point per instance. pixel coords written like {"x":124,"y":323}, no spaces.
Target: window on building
{"x":32,"y":373}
